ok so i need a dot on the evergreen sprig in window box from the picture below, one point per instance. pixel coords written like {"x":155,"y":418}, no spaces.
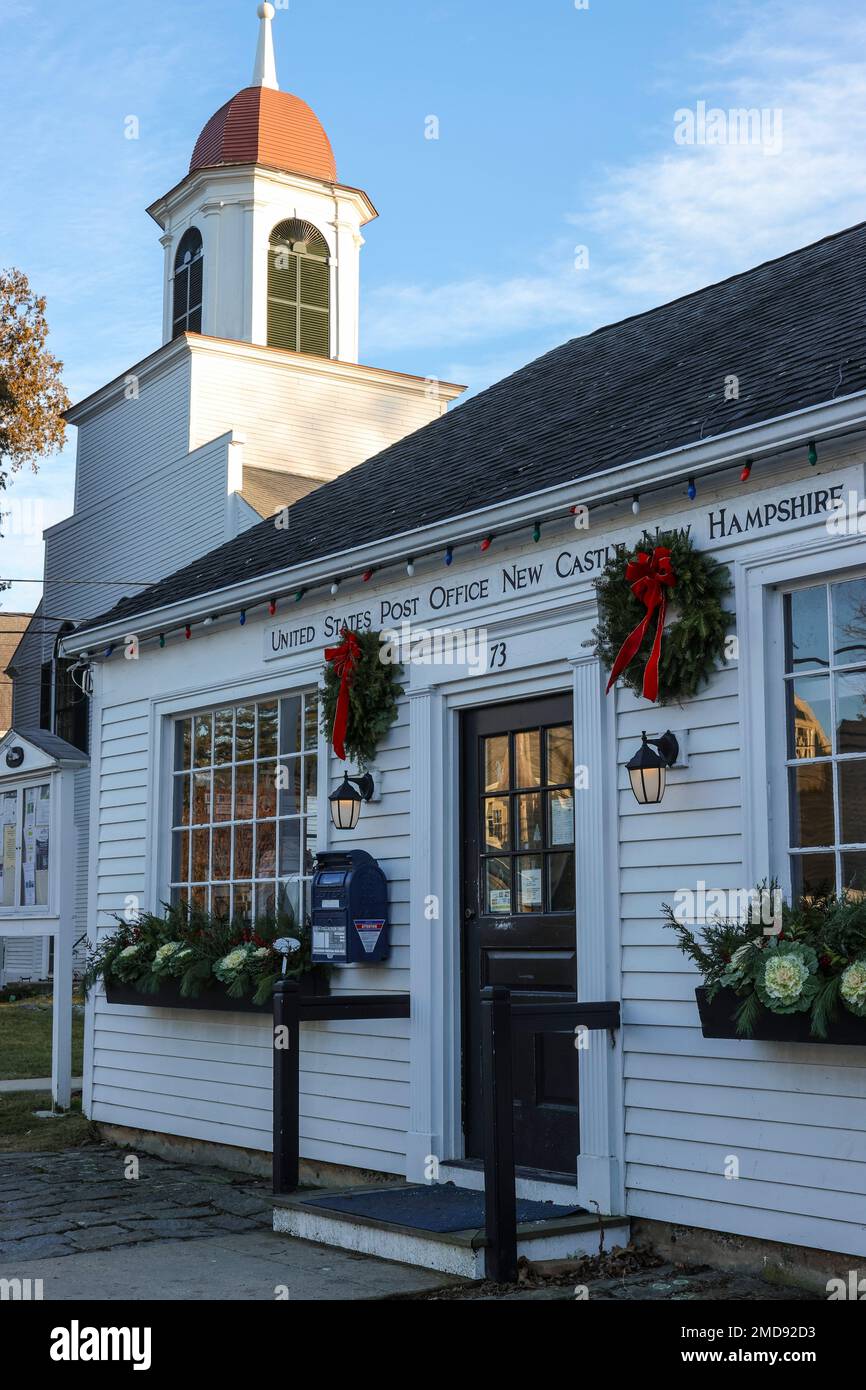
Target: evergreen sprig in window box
{"x":800,"y":978}
{"x":188,"y":958}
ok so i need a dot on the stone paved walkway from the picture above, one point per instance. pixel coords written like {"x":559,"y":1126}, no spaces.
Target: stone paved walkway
{"x":57,"y":1204}
{"x":175,"y":1231}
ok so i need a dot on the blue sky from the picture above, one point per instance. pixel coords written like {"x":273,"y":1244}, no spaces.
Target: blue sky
{"x":556,"y":131}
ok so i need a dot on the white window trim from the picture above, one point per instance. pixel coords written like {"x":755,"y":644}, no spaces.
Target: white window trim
{"x":760,"y":585}
{"x":181,"y":704}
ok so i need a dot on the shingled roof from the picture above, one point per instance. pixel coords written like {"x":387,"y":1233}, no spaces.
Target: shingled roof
{"x":791,"y":330}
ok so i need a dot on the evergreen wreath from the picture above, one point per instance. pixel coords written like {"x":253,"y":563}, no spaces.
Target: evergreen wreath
{"x":692,"y":643}
{"x":373,"y":695}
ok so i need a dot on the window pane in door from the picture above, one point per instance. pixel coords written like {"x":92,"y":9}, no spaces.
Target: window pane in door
{"x":496,"y":764}
{"x":496,"y":835}
{"x":812,"y":804}
{"x":560,"y":822}
{"x":560,"y":872}
{"x":497,"y":886}
{"x":529,"y":827}
{"x":527,"y":757}
{"x":527,"y":871}
{"x":809,"y":717}
{"x":560,"y":756}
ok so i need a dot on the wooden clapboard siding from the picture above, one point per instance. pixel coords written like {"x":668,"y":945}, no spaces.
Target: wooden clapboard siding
{"x":209,"y":1076}
{"x":125,"y":440}
{"x":323,"y":423}
{"x":793,"y":1116}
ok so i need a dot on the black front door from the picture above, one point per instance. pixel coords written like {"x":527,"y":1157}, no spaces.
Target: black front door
{"x":518,"y":913}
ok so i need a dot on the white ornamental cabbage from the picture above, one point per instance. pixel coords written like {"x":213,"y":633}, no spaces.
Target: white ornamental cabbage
{"x":853,"y":987}
{"x":784,"y":978}
{"x":235,"y":960}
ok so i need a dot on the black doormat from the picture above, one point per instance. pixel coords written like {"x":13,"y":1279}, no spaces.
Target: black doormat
{"x":438,"y":1208}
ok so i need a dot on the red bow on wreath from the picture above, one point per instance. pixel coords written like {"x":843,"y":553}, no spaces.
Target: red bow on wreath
{"x":650,"y":578}
{"x":344,"y":659}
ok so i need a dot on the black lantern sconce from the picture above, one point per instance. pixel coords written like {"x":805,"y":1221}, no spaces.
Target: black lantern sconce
{"x":347,"y":800}
{"x":648,"y":770}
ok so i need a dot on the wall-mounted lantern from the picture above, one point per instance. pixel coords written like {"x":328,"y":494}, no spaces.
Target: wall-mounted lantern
{"x":648,"y":770}
{"x":347,"y":800}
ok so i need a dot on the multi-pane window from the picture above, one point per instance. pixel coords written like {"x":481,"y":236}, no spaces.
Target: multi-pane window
{"x":244,"y":806}
{"x":527,"y":822}
{"x":299,"y":289}
{"x":188,"y":284}
{"x":825,"y":679}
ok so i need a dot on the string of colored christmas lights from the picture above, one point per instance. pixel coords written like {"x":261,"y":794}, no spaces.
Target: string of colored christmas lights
{"x":577,"y":510}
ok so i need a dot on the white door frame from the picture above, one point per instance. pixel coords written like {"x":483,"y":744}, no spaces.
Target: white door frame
{"x":435,"y":704}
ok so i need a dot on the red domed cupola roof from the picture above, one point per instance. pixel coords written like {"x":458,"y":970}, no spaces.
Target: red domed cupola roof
{"x":265,"y":126}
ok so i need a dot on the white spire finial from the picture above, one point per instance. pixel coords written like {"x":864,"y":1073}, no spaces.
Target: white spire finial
{"x":265,"y":71}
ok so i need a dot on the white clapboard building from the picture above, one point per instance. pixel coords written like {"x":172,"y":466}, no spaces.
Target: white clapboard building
{"x":514,"y":849}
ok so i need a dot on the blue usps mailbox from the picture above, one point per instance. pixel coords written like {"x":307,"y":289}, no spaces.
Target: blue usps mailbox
{"x":349,"y":909}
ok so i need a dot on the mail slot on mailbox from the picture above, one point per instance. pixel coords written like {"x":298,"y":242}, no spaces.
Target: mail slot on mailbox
{"x":350,"y":909}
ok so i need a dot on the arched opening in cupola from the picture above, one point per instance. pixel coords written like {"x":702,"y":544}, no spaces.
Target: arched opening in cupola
{"x":188,"y":284}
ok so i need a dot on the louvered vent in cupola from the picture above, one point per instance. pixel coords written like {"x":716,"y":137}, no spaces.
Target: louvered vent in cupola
{"x":299,"y":289}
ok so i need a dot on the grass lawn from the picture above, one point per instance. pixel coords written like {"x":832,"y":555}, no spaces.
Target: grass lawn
{"x":25,"y":1040}
{"x":22,"y":1132}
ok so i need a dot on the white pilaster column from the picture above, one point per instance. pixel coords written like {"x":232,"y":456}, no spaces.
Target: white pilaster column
{"x":255,"y":270}
{"x":428,"y":977}
{"x":167,"y":244}
{"x":62,"y":844}
{"x":211,"y":324}
{"x":598,"y":934}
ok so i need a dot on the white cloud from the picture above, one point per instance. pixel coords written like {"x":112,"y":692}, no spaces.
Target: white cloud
{"x":683,"y":216}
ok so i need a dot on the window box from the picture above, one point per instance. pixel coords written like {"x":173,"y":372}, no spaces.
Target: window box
{"x":315,"y":982}
{"x":717,"y":1021}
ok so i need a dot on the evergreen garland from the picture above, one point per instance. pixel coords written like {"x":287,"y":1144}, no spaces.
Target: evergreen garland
{"x":373,"y":696}
{"x":692,"y":643}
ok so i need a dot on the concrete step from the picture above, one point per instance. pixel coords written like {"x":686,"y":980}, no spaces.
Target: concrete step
{"x":309,"y":1216}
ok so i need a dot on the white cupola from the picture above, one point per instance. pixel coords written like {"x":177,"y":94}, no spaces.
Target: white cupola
{"x":262,"y":244}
